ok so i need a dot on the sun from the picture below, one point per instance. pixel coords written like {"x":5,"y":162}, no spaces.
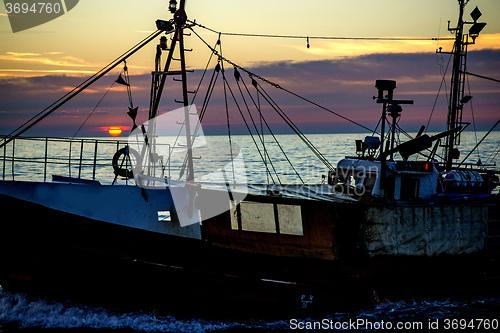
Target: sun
{"x":115,"y":130}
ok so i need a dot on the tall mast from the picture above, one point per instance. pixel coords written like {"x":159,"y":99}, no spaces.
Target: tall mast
{"x":457,"y":98}
{"x":455,"y":111}
{"x":180,"y":19}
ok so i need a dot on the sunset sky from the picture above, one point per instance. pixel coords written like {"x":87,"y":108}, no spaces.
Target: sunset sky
{"x":39,"y":65}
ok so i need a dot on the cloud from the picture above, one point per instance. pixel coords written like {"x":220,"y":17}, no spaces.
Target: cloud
{"x":33,"y":64}
{"x":343,"y":85}
{"x":43,"y":58}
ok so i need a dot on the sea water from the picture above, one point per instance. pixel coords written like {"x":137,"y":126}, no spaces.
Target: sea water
{"x":285,"y":155}
{"x":27,"y":313}
{"x":23,"y":313}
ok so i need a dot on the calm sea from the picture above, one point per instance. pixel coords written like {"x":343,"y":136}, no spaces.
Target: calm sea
{"x":27,"y":313}
{"x":76,"y":158}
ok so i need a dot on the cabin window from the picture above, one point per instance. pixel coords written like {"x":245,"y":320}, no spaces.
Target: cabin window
{"x":267,"y":217}
{"x":256,"y":216}
{"x":290,"y":220}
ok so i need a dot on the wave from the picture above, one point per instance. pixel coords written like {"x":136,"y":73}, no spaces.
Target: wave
{"x":22,"y":311}
{"x":27,"y":312}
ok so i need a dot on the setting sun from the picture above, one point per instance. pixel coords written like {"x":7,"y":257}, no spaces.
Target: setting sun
{"x":115,"y":130}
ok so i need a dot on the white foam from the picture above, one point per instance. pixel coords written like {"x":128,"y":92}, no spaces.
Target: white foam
{"x":27,"y":312}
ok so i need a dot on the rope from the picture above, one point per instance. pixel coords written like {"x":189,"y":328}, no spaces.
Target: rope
{"x":482,"y":77}
{"x":473,"y":119}
{"x":253,"y":75}
{"x":443,"y":81}
{"x":260,"y":134}
{"x":75,"y":91}
{"x":294,"y":127}
{"x":281,"y":148}
{"x":248,"y":128}
{"x":93,"y":110}
{"x":228,"y":123}
{"x":319,"y":37}
{"x":276,"y":107}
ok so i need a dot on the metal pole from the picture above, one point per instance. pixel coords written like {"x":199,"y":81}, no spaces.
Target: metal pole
{"x":45,"y":160}
{"x":4,"y":157}
{"x":181,"y":19}
{"x":13,"y":156}
{"x":81,"y":159}
{"x":95,"y":160}
{"x":455,"y":81}
{"x":69,"y":158}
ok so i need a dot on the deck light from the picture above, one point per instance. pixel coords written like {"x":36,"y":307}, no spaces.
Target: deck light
{"x":163,"y":43}
{"x":163,"y":25}
{"x":172,"y":6}
{"x":466,"y":99}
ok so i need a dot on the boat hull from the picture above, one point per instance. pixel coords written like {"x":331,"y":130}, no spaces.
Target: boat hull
{"x":62,"y":254}
{"x":57,"y":253}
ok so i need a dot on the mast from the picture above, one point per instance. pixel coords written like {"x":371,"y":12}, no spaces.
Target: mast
{"x":179,"y":20}
{"x":457,"y":97}
{"x":455,"y":112}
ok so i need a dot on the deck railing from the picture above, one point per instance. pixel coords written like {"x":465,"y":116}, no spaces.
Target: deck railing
{"x":38,"y":159}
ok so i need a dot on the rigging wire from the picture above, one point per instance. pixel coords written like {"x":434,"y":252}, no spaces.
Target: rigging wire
{"x":294,"y":127}
{"x":228,"y":122}
{"x":208,"y":94}
{"x":260,"y":134}
{"x":263,"y":158}
{"x":443,"y":81}
{"x":473,"y":119}
{"x":227,"y":109}
{"x":271,"y":103}
{"x":253,"y":75}
{"x":75,"y":91}
{"x":250,"y":132}
{"x":93,"y":110}
{"x":307,"y":38}
{"x":482,"y":77}
{"x":493,"y":154}
{"x":279,"y":145}
{"x":276,"y":107}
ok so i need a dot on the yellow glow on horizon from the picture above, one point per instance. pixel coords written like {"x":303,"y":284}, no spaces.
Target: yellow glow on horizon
{"x":33,"y":64}
{"x":16,"y":72}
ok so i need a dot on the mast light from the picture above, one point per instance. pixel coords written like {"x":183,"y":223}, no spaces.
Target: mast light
{"x":163,"y":25}
{"x":172,"y":6}
{"x":466,"y":99}
{"x":163,"y":43}
{"x":476,"y":29}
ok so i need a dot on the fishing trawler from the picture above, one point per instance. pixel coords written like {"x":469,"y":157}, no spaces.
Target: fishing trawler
{"x":378,"y":224}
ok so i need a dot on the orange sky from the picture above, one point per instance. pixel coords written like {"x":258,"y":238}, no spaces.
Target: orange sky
{"x":68,"y":45}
